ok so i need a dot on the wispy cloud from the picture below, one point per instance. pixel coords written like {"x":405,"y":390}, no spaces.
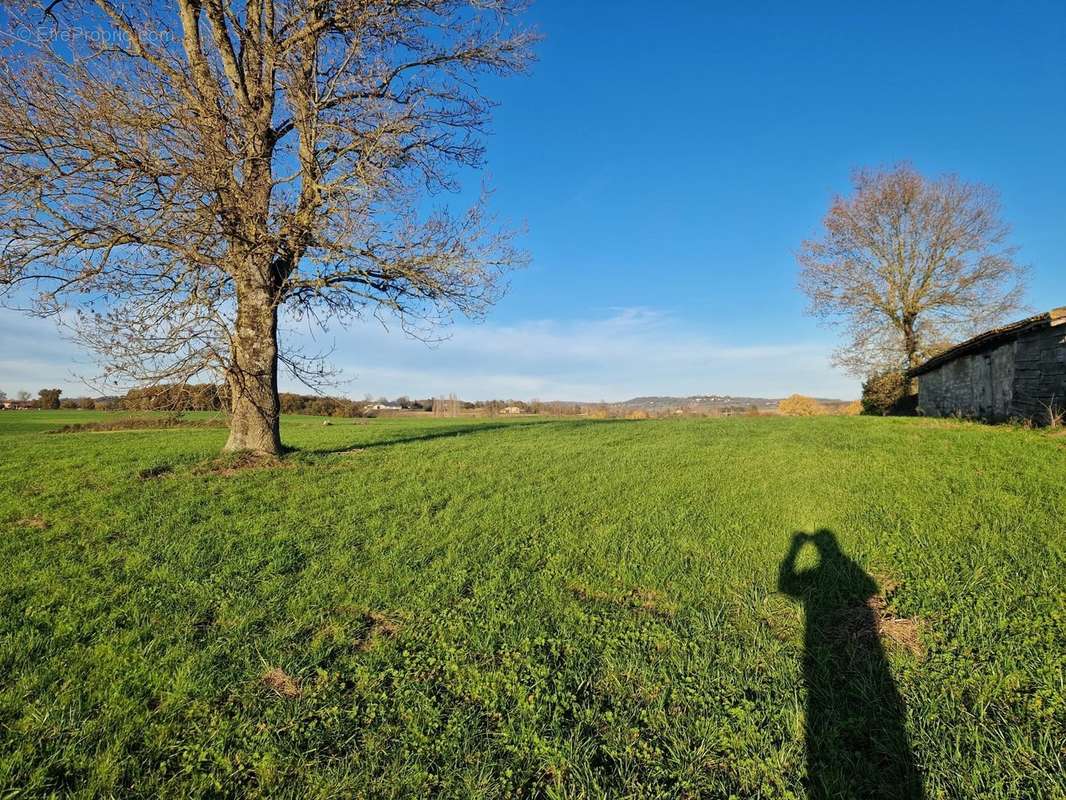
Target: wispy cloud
{"x":620,"y":354}
{"x":624,"y":353}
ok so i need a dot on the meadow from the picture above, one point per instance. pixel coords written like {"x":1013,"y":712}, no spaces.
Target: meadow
{"x":534,"y":607}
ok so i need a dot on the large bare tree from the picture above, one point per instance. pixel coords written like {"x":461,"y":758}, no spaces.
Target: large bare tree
{"x":909,"y":265}
{"x":177,"y":171}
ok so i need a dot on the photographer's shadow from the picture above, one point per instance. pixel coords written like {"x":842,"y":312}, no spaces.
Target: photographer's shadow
{"x":857,"y":744}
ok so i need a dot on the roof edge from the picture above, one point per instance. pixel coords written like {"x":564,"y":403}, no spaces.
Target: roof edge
{"x":1056,"y":316}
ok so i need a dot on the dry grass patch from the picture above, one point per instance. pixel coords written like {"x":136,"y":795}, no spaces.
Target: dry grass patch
{"x":280,"y":682}
{"x":652,"y":602}
{"x":359,"y":627}
{"x":893,"y":631}
{"x":378,"y":626}
{"x":37,"y":522}
{"x":640,"y":599}
{"x":901,"y":633}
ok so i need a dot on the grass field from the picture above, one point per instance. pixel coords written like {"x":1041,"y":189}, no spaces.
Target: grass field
{"x":536,"y":607}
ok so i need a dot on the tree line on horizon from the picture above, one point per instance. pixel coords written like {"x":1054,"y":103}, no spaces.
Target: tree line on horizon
{"x":175,"y":397}
{"x":179,"y":398}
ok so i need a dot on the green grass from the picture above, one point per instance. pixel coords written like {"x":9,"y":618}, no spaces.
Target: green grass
{"x":557,"y":608}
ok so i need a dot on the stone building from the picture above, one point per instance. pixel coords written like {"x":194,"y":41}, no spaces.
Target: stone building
{"x":1014,"y":372}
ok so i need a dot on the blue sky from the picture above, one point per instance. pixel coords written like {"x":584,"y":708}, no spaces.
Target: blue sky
{"x":668,"y":160}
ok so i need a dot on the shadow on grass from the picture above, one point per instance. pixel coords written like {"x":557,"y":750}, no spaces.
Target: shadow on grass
{"x":857,"y":744}
{"x":451,"y":432}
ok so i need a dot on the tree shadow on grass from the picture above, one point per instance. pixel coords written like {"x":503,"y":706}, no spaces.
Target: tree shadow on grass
{"x":857,"y":743}
{"x":451,"y":432}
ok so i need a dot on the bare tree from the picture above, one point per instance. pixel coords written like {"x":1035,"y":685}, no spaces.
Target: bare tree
{"x":178,"y":172}
{"x":909,"y":265}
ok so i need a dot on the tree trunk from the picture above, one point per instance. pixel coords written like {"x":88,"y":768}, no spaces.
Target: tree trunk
{"x":910,"y":342}
{"x":253,"y":374}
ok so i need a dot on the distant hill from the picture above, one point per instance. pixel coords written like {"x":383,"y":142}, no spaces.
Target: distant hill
{"x":708,"y":401}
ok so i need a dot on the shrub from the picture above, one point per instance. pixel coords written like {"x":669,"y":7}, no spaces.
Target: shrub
{"x":852,"y":409}
{"x":49,"y":398}
{"x":638,"y":414}
{"x":797,"y":405}
{"x":165,"y":422}
{"x":889,"y":393}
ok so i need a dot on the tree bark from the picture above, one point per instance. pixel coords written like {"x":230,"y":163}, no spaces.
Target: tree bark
{"x":253,"y":375}
{"x":910,"y":341}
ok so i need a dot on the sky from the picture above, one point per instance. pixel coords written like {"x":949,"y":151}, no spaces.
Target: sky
{"x":668,"y":159}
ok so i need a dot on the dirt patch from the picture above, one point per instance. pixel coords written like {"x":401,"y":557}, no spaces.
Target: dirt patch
{"x":638,"y":599}
{"x":652,"y":602}
{"x":378,"y":626}
{"x":591,"y":595}
{"x":37,"y":522}
{"x":359,"y":627}
{"x":142,"y":423}
{"x":897,"y":631}
{"x":280,"y":682}
{"x":157,"y":471}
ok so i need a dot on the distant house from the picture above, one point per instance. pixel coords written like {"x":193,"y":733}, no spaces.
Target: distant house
{"x":16,"y":405}
{"x":1014,"y":372}
{"x":510,"y":410}
{"x":383,"y":407}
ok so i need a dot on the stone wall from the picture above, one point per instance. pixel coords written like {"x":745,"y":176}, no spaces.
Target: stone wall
{"x":1017,"y":379}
